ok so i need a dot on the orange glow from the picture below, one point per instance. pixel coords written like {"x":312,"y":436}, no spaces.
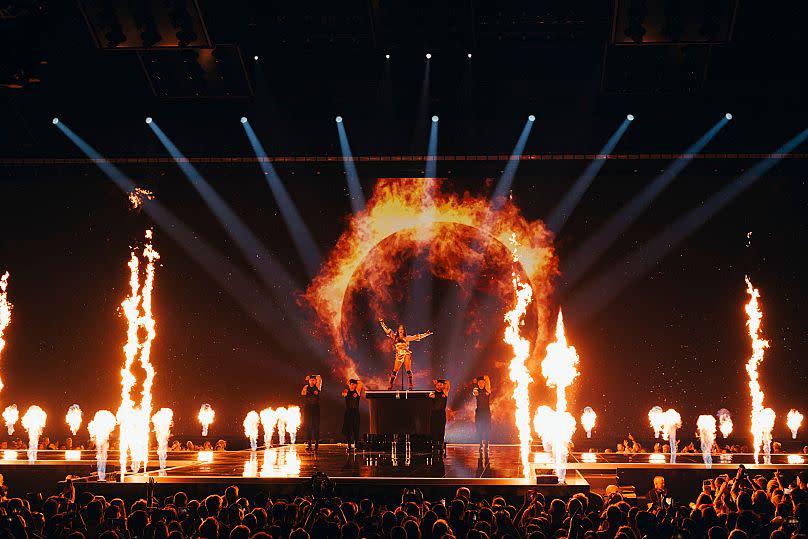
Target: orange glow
{"x":34,"y":422}
{"x":588,"y":419}
{"x":11,"y":415}
{"x":73,"y":418}
{"x":794,"y":420}
{"x":133,"y":417}
{"x":760,"y":418}
{"x":410,"y":215}
{"x":206,"y":416}
{"x":251,"y":423}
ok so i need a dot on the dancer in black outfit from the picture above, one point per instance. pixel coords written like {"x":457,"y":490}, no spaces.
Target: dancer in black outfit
{"x":350,"y":423}
{"x":311,"y":410}
{"x":482,"y":415}
{"x":437,"y":419}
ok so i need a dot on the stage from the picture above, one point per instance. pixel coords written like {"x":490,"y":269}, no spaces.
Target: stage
{"x":286,"y":470}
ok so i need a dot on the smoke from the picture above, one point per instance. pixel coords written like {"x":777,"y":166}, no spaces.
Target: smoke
{"x":73,"y":418}
{"x":10,"y":416}
{"x":100,"y":427}
{"x":588,"y":419}
{"x":724,"y":422}
{"x":251,"y":428}
{"x":706,"y":427}
{"x":794,"y":420}
{"x":206,"y":415}
{"x":34,"y":422}
{"x":162,"y":421}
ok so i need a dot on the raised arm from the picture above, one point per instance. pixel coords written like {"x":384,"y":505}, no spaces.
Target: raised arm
{"x":419,"y":336}
{"x":386,"y":329}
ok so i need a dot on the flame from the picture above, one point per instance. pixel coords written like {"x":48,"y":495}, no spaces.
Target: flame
{"x":280,"y":463}
{"x":251,"y":423}
{"x":292,"y":422}
{"x":162,"y":421}
{"x":396,"y":212}
{"x":794,"y":420}
{"x":34,"y":422}
{"x":100,"y":427}
{"x":518,"y":371}
{"x":657,"y":418}
{"x":138,"y":195}
{"x":73,"y":418}
{"x":671,"y":422}
{"x":133,"y":417}
{"x":10,"y":415}
{"x":5,"y":314}
{"x":281,"y":413}
{"x":588,"y":419}
{"x":724,"y":422}
{"x":206,"y":415}
{"x":269,"y":418}
{"x":559,"y":370}
{"x":759,"y":345}
{"x":705,"y":424}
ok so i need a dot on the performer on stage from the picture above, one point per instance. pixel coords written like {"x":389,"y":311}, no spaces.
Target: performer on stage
{"x":350,"y":423}
{"x":482,"y":415}
{"x":401,"y":341}
{"x":437,"y":418}
{"x":311,"y":410}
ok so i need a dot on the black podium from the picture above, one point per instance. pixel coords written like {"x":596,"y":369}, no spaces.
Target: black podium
{"x":399,"y":412}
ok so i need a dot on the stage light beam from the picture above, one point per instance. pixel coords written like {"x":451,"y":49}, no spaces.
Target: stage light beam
{"x":244,"y":119}
{"x":594,"y":246}
{"x":630,"y":117}
{"x":301,"y":236}
{"x":339,"y":119}
{"x":148,"y":119}
{"x":561,"y":213}
{"x":351,"y":174}
{"x":55,"y":121}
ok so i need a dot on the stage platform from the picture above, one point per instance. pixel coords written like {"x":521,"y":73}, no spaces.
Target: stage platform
{"x":285,"y":471}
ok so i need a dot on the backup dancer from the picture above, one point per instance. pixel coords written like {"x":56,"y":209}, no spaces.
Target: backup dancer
{"x":482,"y":414}
{"x":401,"y":342}
{"x":350,"y":422}
{"x":437,"y":417}
{"x":311,"y":410}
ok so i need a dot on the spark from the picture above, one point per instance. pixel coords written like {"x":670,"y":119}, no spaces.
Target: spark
{"x":138,"y":195}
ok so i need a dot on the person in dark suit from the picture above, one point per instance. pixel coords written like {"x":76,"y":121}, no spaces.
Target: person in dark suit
{"x":657,"y":497}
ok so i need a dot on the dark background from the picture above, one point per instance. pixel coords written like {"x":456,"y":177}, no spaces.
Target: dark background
{"x":675,"y":337}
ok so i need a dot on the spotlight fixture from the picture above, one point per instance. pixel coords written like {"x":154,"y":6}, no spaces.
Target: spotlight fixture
{"x":339,"y":119}
{"x":255,"y":57}
{"x":434,"y":118}
{"x":148,"y":119}
{"x":531,"y":118}
{"x":630,"y":117}
{"x":428,"y":55}
{"x":469,"y":55}
{"x":244,"y":119}
{"x":728,"y":116}
{"x":55,"y":121}
{"x":387,"y":56}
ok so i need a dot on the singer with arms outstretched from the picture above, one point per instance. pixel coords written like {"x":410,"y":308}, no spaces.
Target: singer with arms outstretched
{"x":401,"y":342}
